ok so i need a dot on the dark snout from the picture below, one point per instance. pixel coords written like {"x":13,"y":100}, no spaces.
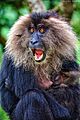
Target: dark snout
{"x":35,"y":42}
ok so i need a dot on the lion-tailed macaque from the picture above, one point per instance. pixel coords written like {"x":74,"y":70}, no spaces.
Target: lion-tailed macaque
{"x":39,"y":75}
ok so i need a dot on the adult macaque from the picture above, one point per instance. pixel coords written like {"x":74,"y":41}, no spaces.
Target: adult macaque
{"x":39,"y":75}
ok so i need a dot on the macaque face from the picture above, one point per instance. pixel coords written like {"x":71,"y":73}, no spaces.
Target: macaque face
{"x":37,"y":42}
{"x":40,"y":38}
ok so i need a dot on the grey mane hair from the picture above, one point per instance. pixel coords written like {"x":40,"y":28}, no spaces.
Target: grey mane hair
{"x":60,"y":39}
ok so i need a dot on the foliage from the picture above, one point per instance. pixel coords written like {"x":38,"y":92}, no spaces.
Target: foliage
{"x":1,"y":54}
{"x":75,"y":22}
{"x":3,"y":115}
{"x":78,"y":51}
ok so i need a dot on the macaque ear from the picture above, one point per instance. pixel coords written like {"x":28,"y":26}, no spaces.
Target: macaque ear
{"x":19,"y":33}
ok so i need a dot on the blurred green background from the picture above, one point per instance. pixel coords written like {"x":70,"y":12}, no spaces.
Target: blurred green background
{"x":10,"y":10}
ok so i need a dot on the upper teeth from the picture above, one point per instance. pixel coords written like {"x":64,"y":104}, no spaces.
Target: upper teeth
{"x":38,"y":58}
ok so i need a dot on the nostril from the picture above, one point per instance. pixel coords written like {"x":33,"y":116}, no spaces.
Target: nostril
{"x":31,"y":42}
{"x":34,"y":42}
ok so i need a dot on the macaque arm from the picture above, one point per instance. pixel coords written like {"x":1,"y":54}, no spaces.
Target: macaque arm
{"x":8,"y":98}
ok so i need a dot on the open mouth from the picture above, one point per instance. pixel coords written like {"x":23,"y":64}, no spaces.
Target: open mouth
{"x":39,"y":54}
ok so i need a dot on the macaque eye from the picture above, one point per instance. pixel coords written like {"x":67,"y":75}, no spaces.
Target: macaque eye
{"x":31,"y":30}
{"x":42,"y":30}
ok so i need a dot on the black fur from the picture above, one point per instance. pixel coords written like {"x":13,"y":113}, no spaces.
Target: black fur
{"x":69,"y":66}
{"x":22,"y":99}
{"x":37,"y":17}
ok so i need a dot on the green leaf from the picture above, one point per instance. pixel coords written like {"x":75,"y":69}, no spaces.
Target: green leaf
{"x":23,"y":11}
{"x":4,"y":32}
{"x":3,"y":115}
{"x":75,"y":22}
{"x":78,"y":51}
{"x":1,"y":55}
{"x":46,"y":3}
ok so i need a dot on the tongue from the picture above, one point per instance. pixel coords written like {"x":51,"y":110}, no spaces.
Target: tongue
{"x":38,"y":53}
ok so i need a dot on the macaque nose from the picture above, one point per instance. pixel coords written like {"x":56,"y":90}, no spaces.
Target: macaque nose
{"x":33,"y":41}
